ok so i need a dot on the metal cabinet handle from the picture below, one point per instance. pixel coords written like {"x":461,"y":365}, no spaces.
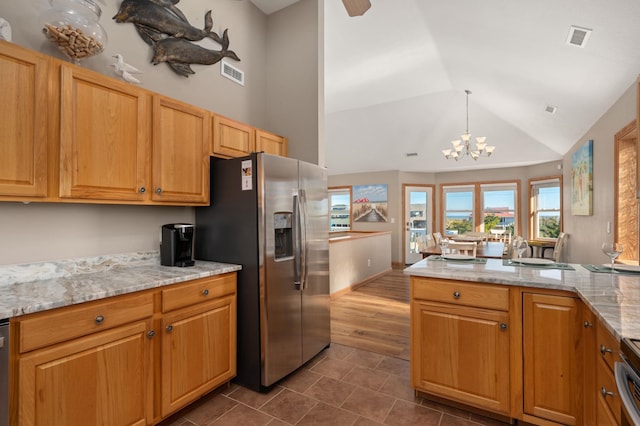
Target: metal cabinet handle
{"x":205,"y":292}
{"x":503,"y":326}
{"x":158,"y":190}
{"x":604,"y":350}
{"x":142,"y":190}
{"x":587,"y":324}
{"x":99,"y":319}
{"x":605,"y":392}
{"x":169,"y":328}
{"x":456,"y":295}
{"x":150,"y":334}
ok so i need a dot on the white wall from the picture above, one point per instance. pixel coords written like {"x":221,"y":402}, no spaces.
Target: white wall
{"x":38,"y":232}
{"x":353,"y":261}
{"x":587,"y":233}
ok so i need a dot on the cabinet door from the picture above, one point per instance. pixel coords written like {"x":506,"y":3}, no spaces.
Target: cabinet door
{"x":101,"y":379}
{"x":104,"y":137}
{"x":23,"y":130}
{"x":461,"y":353}
{"x":198,"y":351}
{"x":552,"y":331}
{"x":232,"y":138}
{"x":271,"y":143}
{"x":181,"y":141}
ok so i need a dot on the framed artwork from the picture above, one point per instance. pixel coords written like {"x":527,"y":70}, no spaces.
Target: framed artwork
{"x":582,"y":180}
{"x":370,"y":203}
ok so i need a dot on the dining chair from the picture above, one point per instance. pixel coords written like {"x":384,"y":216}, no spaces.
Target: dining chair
{"x":484,"y":237}
{"x":437,"y":236}
{"x":463,"y":247}
{"x":560,"y":243}
{"x":430,"y":241}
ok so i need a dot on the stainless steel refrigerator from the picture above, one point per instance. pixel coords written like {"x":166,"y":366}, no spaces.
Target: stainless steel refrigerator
{"x":270,"y":214}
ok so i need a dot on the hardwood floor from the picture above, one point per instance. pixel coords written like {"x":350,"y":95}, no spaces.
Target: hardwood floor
{"x":375,"y":316}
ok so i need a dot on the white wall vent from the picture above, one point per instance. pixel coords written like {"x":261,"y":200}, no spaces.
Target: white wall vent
{"x":550,"y":109}
{"x":578,"y":36}
{"x":231,"y":72}
{"x":411,"y":154}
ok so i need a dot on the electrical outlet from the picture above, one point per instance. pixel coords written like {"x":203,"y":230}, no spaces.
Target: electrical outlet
{"x":368,"y":262}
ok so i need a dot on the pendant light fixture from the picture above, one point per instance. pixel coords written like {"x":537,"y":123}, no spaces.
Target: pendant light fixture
{"x":462,"y":146}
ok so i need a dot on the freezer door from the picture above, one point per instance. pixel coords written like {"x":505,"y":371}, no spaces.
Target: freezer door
{"x":280,"y":305}
{"x":316,"y":321}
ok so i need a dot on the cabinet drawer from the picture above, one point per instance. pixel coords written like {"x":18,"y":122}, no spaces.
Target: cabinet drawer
{"x":607,"y":346}
{"x":463,"y":293}
{"x":201,"y":290}
{"x":64,"y":324}
{"x":605,"y":382}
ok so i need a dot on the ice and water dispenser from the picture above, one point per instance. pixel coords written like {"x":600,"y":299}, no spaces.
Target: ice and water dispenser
{"x":283,"y":230}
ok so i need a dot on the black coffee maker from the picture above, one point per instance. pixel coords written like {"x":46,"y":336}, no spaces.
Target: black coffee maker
{"x":176,"y":247}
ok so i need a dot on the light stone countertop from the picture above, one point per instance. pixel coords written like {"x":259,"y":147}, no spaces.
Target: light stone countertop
{"x":29,"y":288}
{"x":614,"y":298}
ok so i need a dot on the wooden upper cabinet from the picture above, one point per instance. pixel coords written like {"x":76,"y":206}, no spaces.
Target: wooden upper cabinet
{"x":232,"y":138}
{"x":23,"y":128}
{"x":271,"y":143}
{"x":180,"y":153}
{"x":104,"y":137}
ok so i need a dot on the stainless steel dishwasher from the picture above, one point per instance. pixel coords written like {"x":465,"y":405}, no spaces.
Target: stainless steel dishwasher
{"x":4,"y":372}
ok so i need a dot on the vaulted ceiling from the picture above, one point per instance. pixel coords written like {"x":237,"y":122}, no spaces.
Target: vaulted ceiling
{"x":395,"y":78}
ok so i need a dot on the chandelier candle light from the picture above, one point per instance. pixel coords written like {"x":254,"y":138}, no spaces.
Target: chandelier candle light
{"x":462,"y":146}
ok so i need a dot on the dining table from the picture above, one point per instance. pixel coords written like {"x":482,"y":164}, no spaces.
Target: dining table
{"x":488,"y":250}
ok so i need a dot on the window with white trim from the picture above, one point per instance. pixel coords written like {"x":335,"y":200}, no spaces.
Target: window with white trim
{"x":546,"y":207}
{"x":458,"y":209}
{"x":340,"y":209}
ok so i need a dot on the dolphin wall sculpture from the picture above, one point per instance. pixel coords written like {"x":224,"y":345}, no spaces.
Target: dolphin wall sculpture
{"x":163,"y":26}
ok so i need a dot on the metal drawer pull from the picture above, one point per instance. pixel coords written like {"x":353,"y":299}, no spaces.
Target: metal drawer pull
{"x":604,"y":350}
{"x":205,"y":292}
{"x":503,"y":326}
{"x":142,"y":190}
{"x":158,"y":190}
{"x":99,"y":319}
{"x":605,"y":392}
{"x":587,"y":324}
{"x":456,"y":295}
{"x":150,"y":334}
{"x":169,"y":328}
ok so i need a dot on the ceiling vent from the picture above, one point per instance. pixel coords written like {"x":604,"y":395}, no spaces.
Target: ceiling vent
{"x":411,"y":154}
{"x":232,"y":73}
{"x":578,"y":36}
{"x":550,"y":109}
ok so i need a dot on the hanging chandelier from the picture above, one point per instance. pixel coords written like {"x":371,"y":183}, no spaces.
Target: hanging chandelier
{"x":462,"y":146}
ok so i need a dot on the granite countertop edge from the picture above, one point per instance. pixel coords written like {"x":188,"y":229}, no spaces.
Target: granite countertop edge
{"x":613,"y":298}
{"x":38,"y":287}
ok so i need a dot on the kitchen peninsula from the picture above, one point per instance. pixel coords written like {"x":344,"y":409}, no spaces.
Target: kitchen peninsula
{"x":523,"y":342}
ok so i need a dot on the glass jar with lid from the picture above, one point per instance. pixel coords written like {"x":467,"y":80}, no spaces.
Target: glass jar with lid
{"x":72,"y":25}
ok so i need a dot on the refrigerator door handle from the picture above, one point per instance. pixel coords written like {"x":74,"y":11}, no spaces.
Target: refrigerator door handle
{"x":303,"y":237}
{"x":297,"y":244}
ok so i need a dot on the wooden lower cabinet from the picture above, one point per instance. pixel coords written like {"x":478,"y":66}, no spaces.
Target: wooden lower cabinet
{"x":553,"y":367}
{"x":607,"y":353}
{"x":114,"y":368}
{"x":103,"y":379}
{"x":462,"y":353}
{"x":198,"y":351}
{"x":514,"y":351}
{"x":460,"y":345}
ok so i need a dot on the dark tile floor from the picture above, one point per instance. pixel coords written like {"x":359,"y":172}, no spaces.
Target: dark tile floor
{"x":340,"y":386}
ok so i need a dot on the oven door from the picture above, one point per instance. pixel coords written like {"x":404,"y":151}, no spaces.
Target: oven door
{"x":628,"y":383}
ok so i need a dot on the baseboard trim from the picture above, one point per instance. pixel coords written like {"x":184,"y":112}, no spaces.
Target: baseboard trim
{"x":353,"y":287}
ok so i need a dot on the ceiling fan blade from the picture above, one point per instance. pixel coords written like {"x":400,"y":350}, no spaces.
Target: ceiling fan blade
{"x":356,"y":7}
